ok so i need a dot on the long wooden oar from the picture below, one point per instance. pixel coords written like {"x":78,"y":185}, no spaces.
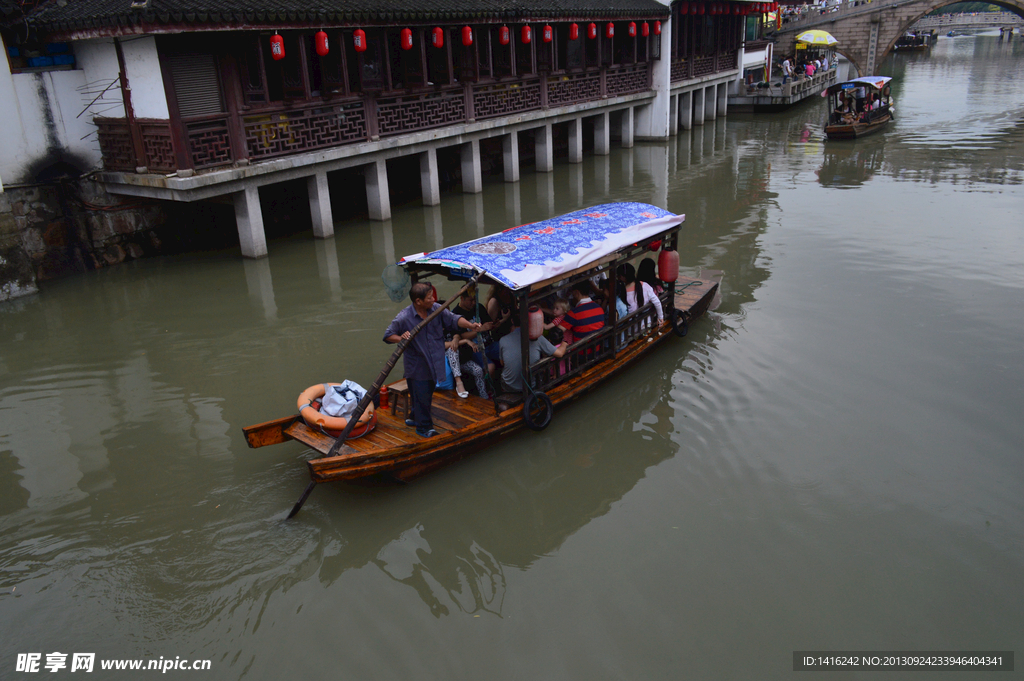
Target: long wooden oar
{"x":375,"y":388}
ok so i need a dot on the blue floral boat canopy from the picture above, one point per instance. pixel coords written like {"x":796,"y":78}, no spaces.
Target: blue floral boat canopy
{"x":522,"y":256}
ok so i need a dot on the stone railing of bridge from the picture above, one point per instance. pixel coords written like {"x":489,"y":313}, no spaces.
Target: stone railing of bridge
{"x":867,"y":31}
{"x":974,"y":20}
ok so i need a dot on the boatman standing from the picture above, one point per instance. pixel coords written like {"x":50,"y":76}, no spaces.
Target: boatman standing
{"x":424,"y":356}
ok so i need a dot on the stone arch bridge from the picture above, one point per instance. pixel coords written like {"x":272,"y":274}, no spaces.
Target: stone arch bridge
{"x":867,"y":32}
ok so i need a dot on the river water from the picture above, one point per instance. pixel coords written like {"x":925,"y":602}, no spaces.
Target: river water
{"x":833,"y":459}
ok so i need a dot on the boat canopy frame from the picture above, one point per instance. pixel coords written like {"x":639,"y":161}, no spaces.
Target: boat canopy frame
{"x":657,"y":229}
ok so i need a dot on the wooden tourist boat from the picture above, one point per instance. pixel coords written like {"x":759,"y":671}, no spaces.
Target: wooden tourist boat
{"x":534,"y":261}
{"x":858,"y":107}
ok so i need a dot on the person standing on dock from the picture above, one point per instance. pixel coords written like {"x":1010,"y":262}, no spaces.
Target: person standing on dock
{"x":424,"y":357}
{"x":787,"y":71}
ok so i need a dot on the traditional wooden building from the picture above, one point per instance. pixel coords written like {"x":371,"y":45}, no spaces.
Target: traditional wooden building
{"x":197,"y":100}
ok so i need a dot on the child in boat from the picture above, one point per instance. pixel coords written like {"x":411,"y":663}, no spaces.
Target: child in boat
{"x":559,"y":310}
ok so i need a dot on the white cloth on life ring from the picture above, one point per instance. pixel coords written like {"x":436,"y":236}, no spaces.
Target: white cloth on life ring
{"x":340,"y":400}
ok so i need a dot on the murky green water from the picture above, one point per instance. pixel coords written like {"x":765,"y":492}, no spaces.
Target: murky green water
{"x":831,"y":460}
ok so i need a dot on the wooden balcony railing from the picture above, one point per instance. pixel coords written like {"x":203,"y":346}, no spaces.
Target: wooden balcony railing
{"x":215,"y":140}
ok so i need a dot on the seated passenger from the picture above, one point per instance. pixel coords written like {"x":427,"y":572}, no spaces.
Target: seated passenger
{"x":512,"y":356}
{"x":586,"y":316}
{"x":461,"y":349}
{"x":635,"y":294}
{"x":645,"y":272}
{"x":559,"y":310}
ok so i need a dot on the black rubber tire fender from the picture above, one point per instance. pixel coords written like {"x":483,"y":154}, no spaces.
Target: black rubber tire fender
{"x":679,"y":323}
{"x":537,"y":411}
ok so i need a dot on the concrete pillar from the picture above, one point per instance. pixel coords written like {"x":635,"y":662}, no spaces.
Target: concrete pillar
{"x":686,"y":110}
{"x":627,"y":128}
{"x":510,"y":154}
{"x":602,"y":135}
{"x":723,"y":98}
{"x":698,"y":106}
{"x":430,"y":185}
{"x":378,"y":198}
{"x":576,"y":140}
{"x":249,"y":220}
{"x":545,"y":149}
{"x":472,"y":180}
{"x":673,"y":116}
{"x":320,"y":205}
{"x":709,"y":102}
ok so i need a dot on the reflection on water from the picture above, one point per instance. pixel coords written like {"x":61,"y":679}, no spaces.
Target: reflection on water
{"x":829,"y":460}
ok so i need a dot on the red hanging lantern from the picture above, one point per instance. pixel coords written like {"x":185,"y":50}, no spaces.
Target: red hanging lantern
{"x":668,"y":266}
{"x":684,"y":7}
{"x":631,"y":29}
{"x":406,"y":42}
{"x":526,"y":34}
{"x":645,"y":29}
{"x":713,"y":8}
{"x":277,"y":47}
{"x":359,"y":40}
{"x":592,"y":31}
{"x":574,"y":31}
{"x":320,"y":41}
{"x":546,"y":34}
{"x":609,"y":30}
{"x":467,"y":36}
{"x":503,"y":35}
{"x":735,"y":10}
{"x":701,"y":8}
{"x":693,"y":8}
{"x":657,"y":28}
{"x":437,"y":37}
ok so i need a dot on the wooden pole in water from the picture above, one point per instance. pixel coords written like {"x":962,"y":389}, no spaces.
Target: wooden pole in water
{"x":375,"y":388}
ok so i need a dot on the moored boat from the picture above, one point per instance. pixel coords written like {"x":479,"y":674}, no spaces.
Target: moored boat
{"x":858,"y":107}
{"x":536,"y":263}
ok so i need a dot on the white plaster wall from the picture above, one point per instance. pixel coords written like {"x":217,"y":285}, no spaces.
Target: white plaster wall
{"x":652,"y":120}
{"x":41,"y":119}
{"x":143,"y":67}
{"x":98,"y":59}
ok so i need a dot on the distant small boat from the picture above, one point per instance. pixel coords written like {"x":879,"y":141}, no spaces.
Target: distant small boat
{"x":912,"y":42}
{"x":858,"y":107}
{"x":952,"y":34}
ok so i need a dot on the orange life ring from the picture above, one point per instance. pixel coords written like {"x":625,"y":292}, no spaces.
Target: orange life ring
{"x":309,"y":408}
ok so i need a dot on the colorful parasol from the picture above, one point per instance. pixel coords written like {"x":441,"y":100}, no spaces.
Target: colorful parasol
{"x":817,"y":37}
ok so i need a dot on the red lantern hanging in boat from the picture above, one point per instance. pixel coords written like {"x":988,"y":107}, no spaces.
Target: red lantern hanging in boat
{"x":657,"y":28}
{"x":359,"y":40}
{"x":320,"y":42}
{"x":504,"y":36}
{"x":277,"y":47}
{"x":631,"y":29}
{"x":609,"y":30}
{"x":645,"y":29}
{"x":437,"y":37}
{"x":536,"y":319}
{"x":526,"y":34}
{"x":406,"y":41}
{"x":546,"y":34}
{"x":574,"y":31}
{"x":592,"y":31}
{"x":668,"y":266}
{"x":467,"y":36}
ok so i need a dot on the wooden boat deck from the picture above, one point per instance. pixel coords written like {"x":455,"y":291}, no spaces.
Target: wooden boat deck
{"x":463,"y":425}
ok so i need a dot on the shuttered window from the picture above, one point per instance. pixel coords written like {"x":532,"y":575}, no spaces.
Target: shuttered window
{"x":196,"y":84}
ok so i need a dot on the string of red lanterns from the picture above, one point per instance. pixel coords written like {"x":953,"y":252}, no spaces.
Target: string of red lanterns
{"x":322,"y":43}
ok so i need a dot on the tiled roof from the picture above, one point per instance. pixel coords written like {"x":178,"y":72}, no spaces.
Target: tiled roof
{"x":107,"y":15}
